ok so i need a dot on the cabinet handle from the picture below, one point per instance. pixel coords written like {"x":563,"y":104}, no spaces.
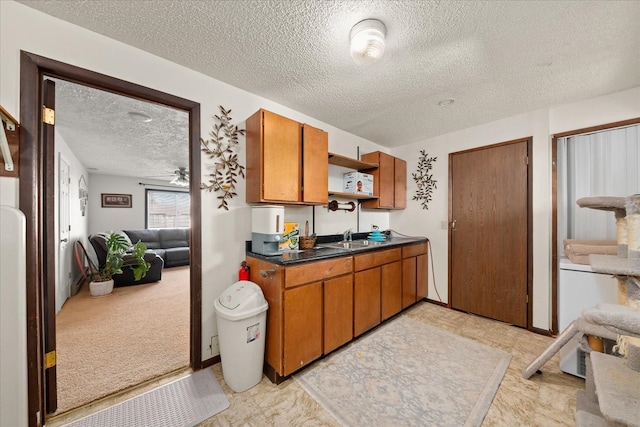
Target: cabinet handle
{"x":267,"y":273}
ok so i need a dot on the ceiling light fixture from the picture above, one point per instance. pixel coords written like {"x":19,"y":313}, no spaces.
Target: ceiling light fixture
{"x":180,"y":181}
{"x":367,"y":41}
{"x":141,"y":117}
{"x":445,"y":102}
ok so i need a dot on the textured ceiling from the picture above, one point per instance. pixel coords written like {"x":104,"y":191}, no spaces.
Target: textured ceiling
{"x":99,"y":129}
{"x":496,"y":58}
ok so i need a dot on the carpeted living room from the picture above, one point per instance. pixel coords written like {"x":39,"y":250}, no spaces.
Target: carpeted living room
{"x":109,"y":343}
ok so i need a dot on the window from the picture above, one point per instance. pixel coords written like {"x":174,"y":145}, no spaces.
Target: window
{"x":168,"y":209}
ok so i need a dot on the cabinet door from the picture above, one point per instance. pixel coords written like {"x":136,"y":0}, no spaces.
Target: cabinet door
{"x":281,"y":158}
{"x":366,"y":300}
{"x":422,"y":276}
{"x":315,"y":167}
{"x":391,"y":289}
{"x":408,"y":281}
{"x":400,"y":184}
{"x":302,"y":326}
{"x":338,"y":312}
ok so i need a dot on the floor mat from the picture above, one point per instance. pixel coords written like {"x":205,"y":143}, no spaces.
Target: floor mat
{"x":408,"y":373}
{"x":184,"y":402}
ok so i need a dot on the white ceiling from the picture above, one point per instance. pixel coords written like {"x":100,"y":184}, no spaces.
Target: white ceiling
{"x":495,"y":58}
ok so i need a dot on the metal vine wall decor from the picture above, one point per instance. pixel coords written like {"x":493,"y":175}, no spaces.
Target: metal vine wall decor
{"x":221,"y":148}
{"x":425,"y":182}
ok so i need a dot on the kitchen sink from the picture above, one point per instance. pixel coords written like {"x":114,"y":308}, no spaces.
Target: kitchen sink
{"x":352,"y":245}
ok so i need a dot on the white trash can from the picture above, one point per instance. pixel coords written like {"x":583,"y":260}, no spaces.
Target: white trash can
{"x":242,"y":316}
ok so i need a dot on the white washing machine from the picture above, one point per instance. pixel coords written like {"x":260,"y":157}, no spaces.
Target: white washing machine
{"x":579,"y":288}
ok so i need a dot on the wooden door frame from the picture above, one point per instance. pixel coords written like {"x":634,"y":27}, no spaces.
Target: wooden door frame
{"x":554,"y":206}
{"x":529,"y":141}
{"x":33,"y":202}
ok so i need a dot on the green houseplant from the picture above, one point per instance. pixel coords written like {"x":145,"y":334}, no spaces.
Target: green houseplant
{"x":119,"y":255}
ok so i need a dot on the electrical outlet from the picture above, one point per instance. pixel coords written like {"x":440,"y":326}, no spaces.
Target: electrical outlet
{"x":444,"y":224}
{"x":214,"y":346}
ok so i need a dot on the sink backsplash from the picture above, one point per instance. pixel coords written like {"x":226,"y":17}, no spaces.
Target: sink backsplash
{"x":329,"y":223}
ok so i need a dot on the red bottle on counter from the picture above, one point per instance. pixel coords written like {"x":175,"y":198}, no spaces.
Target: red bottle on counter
{"x":243,"y":274}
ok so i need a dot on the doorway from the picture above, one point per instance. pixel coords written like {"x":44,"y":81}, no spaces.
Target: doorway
{"x":36,"y":200}
{"x":490,"y":234}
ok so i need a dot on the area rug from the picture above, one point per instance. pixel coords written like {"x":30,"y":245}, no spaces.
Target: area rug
{"x":184,"y":402}
{"x":408,"y":373}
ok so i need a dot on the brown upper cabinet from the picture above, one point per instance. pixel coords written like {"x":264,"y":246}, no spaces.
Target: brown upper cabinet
{"x":286,"y":161}
{"x":389,"y":181}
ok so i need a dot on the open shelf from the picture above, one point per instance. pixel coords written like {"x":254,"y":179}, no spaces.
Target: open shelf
{"x":351,"y":195}
{"x":347,"y":162}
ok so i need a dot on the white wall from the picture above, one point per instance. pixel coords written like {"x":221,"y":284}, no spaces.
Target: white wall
{"x":115,"y":219}
{"x":78,"y":222}
{"x":540,"y":125}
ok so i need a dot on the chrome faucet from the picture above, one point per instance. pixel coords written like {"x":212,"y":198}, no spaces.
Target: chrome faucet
{"x":346,"y":236}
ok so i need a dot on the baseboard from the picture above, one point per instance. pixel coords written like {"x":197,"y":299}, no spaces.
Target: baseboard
{"x":210,"y":362}
{"x":432,"y":301}
{"x":541,"y":331}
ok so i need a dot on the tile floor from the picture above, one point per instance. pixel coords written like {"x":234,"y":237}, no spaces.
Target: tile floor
{"x":544,"y":400}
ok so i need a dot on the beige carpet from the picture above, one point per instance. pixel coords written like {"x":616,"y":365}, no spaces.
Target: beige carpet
{"x":408,"y":373}
{"x":107,"y":344}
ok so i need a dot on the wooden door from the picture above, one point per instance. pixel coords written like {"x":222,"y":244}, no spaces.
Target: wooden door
{"x":338,"y":312}
{"x":489,"y":231}
{"x":302,"y":326}
{"x":390,"y":289}
{"x":366,"y":300}
{"x":400,"y":183}
{"x":281,"y":152}
{"x":315,"y":166}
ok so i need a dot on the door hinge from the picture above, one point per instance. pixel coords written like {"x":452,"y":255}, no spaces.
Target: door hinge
{"x":527,"y":298}
{"x":50,"y":359}
{"x":526,"y":160}
{"x":48,"y":115}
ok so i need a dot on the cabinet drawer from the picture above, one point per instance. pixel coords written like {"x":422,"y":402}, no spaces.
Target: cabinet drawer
{"x":374,"y":259}
{"x":316,"y":271}
{"x":414,"y":250}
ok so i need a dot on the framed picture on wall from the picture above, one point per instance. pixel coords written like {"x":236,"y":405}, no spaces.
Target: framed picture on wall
{"x":116,"y":200}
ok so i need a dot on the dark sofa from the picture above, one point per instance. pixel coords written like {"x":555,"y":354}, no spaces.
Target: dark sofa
{"x":171,"y":244}
{"x":98,"y":241}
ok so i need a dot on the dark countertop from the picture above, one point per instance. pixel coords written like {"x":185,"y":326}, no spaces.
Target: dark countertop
{"x":322,"y":252}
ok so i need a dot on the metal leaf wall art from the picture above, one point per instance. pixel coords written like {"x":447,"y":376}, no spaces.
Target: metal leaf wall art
{"x":221,"y":149}
{"x":424,"y":180}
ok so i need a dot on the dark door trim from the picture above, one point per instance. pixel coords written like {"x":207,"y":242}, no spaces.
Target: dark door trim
{"x":33,"y":195}
{"x":529,"y":141}
{"x":554,"y":207}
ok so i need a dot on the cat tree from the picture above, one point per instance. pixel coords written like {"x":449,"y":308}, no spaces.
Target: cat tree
{"x":612,"y":387}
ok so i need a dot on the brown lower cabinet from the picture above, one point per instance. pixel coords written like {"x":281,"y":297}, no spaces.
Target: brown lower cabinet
{"x":338,"y":312}
{"x":414,"y":273}
{"x":303,"y":326}
{"x":317,"y":306}
{"x":377,"y":275}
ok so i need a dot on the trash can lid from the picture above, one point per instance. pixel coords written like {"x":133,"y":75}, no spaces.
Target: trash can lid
{"x":242,"y":296}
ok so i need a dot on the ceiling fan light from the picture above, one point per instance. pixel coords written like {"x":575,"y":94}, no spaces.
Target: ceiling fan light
{"x":367,"y":41}
{"x":180,"y":181}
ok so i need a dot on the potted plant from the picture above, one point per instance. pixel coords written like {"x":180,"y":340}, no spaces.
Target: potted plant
{"x":119,"y":256}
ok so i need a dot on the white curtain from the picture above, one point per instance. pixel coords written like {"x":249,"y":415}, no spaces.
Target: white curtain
{"x":603,"y":163}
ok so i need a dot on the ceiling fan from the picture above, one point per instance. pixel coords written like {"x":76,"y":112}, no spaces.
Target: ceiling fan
{"x":181,"y":177}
